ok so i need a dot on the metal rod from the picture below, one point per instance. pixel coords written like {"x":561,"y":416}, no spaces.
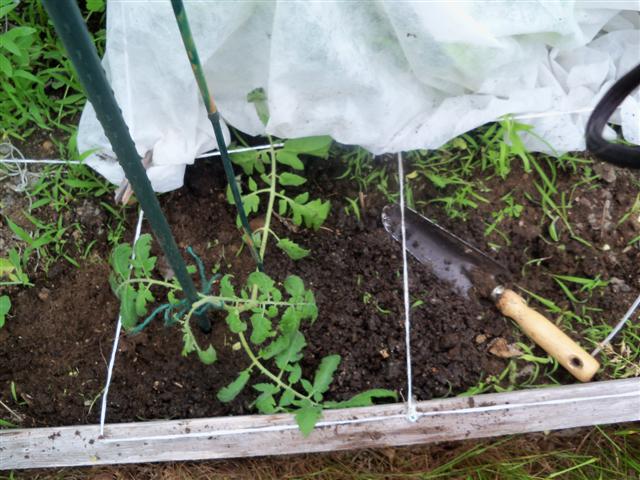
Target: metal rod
{"x":214,"y":118}
{"x":73,"y":32}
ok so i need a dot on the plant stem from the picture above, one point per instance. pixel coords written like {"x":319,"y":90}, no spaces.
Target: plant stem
{"x":255,"y":361}
{"x":272,"y":198}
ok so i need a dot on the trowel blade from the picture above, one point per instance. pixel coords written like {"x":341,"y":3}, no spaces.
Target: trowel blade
{"x":451,"y":258}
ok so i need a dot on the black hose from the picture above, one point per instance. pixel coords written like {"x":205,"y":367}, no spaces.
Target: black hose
{"x":615,"y":153}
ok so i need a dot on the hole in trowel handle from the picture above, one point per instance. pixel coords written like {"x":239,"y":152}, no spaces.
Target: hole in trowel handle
{"x":576,"y":362}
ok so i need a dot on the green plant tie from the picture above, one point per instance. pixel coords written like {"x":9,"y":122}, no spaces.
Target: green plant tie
{"x":173,"y":311}
{"x":214,"y":118}
{"x":73,"y":32}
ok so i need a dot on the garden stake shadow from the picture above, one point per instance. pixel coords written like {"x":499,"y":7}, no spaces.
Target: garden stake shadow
{"x":456,"y":261}
{"x":73,"y":32}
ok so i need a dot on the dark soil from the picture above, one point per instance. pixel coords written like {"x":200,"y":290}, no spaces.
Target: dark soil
{"x":55,"y":345}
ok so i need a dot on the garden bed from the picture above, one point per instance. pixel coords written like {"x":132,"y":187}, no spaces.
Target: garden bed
{"x":58,"y":340}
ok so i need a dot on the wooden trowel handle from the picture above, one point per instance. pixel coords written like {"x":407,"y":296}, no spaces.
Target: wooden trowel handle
{"x":553,"y":340}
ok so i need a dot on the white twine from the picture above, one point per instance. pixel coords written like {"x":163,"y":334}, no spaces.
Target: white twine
{"x":618,"y":327}
{"x":411,"y":409}
{"x":116,"y":339}
{"x":204,"y":155}
{"x":280,"y":428}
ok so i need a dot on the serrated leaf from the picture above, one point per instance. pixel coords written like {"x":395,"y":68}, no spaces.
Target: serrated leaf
{"x":143,"y":263}
{"x":315,"y":213}
{"x":260,"y":328}
{"x":266,"y":388}
{"x":265,"y":403}
{"x":286,"y":398}
{"x":291,"y":179}
{"x":128,"y":315}
{"x":291,"y":353}
{"x":316,"y":146}
{"x":5,"y":306}
{"x":274,"y":348}
{"x":294,"y":286}
{"x":253,"y":186}
{"x":307,"y":417}
{"x":208,"y":356}
{"x":236,"y":325}
{"x":295,"y":373}
{"x":226,"y":288}
{"x":292,"y":249}
{"x":302,"y":198}
{"x":306,"y":384}
{"x":324,"y":375}
{"x":143,"y":297}
{"x":290,"y":159}
{"x":245,"y":160}
{"x":231,"y":391}
{"x":251,"y":203}
{"x":364,"y":399}
{"x":290,"y":321}
{"x":260,"y":280}
{"x":309,"y":309}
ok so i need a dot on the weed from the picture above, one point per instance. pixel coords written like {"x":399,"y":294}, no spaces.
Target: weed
{"x":38,"y":87}
{"x":5,"y":306}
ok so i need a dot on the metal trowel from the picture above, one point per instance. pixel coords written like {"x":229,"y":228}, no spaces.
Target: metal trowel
{"x":454,"y":260}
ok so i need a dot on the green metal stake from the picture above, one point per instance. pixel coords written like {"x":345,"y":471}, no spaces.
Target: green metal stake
{"x":214,"y":118}
{"x":73,"y":32}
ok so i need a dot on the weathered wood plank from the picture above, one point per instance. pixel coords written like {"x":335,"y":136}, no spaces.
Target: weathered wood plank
{"x":385,"y":425}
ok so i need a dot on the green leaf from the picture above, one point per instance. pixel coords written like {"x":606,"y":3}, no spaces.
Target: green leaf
{"x":120,"y":258}
{"x":316,"y":146}
{"x":290,"y":159}
{"x":95,"y":5}
{"x":265,"y":403}
{"x":291,"y":353}
{"x":294,"y":286}
{"x":295,"y":373}
{"x":307,"y":417}
{"x":5,"y":306}
{"x":231,"y":391}
{"x":233,"y":320}
{"x":260,"y":328}
{"x":5,"y":66}
{"x":143,"y":297}
{"x":275,"y":347}
{"x":286,"y":398}
{"x":262,"y":281}
{"x":282,"y":206}
{"x":226,"y":288}
{"x":207,"y":356}
{"x":313,"y":213}
{"x":143,"y":263}
{"x":251,"y":183}
{"x":246,"y":161}
{"x":251,"y":203}
{"x":259,"y":98}
{"x":292,"y":249}
{"x":324,"y":375}
{"x":20,"y":232}
{"x":291,"y":179}
{"x":364,"y":399}
{"x":266,"y":388}
{"x":290,"y":321}
{"x":128,"y":307}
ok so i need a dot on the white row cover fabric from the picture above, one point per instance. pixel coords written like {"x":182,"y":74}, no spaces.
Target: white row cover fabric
{"x":386,"y":75}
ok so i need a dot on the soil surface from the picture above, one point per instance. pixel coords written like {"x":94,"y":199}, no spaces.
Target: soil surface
{"x":54,"y":347}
